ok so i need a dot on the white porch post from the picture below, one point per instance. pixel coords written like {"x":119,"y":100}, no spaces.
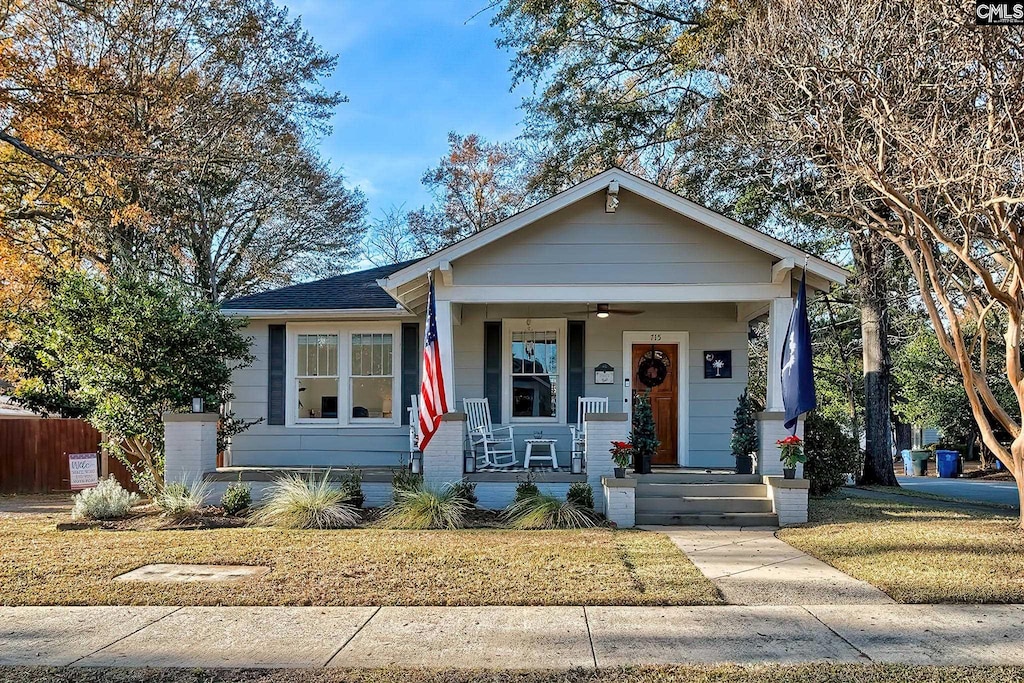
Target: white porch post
{"x":770,"y":427}
{"x":445,"y":341}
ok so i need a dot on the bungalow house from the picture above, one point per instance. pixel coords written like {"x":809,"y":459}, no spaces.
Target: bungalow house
{"x":612,"y":287}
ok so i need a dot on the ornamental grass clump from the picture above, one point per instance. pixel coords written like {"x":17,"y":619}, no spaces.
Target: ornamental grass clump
{"x":181,"y":501}
{"x":107,"y":500}
{"x":542,"y":511}
{"x":297,"y":502}
{"x":425,"y":508}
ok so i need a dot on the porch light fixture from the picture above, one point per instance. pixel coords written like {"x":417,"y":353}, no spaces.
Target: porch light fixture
{"x":602,"y":311}
{"x":577,"y":462}
{"x":197,"y":404}
{"x":469,"y":457}
{"x":416,"y":461}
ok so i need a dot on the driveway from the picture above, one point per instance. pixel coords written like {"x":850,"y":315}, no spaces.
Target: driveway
{"x":1001,"y":492}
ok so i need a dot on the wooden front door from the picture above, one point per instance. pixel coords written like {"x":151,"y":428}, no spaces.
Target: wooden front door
{"x":657,"y":364}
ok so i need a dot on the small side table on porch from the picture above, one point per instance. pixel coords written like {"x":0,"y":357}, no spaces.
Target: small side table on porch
{"x":550,"y":443}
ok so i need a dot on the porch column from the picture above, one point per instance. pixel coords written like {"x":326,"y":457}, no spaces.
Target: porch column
{"x":602,"y":429}
{"x":190,"y":446}
{"x":443,"y":457}
{"x":445,"y":341}
{"x":770,"y":423}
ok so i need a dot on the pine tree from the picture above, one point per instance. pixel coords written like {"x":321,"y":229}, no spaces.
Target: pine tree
{"x":644,"y":437}
{"x":744,"y":427}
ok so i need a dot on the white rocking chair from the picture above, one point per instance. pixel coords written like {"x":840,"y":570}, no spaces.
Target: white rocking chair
{"x":586,"y":405}
{"x":497,"y":444}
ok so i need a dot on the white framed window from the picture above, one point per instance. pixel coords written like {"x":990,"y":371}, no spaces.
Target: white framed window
{"x":343,"y":374}
{"x":534,"y":357}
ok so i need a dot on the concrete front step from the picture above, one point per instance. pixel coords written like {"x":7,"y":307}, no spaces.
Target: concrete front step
{"x":698,"y":505}
{"x":657,"y":477}
{"x":708,"y":519}
{"x":650,"y":489}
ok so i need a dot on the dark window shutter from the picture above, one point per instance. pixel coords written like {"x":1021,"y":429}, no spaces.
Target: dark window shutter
{"x":276,"y":378}
{"x":492,"y":368}
{"x":411,"y":352}
{"x":577,"y":373}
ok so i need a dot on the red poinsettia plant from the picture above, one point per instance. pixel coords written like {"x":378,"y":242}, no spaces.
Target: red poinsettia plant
{"x":792,"y":448}
{"x":622,"y":453}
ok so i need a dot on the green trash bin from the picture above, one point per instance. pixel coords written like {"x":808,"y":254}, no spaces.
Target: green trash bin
{"x":920,"y":460}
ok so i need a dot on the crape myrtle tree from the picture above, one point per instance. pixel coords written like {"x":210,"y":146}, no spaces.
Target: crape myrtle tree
{"x":122,"y":350}
{"x":908,"y":114}
{"x":634,"y":83}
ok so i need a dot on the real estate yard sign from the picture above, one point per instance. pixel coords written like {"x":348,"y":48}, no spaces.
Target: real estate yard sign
{"x":83,"y":470}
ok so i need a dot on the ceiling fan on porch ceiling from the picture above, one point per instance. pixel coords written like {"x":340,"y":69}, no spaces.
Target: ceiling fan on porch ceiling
{"x":605,"y":310}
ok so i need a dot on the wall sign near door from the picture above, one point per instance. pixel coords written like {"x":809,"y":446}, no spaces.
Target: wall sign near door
{"x":717,"y":364}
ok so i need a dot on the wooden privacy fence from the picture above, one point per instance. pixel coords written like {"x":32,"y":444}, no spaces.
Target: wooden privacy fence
{"x":33,"y":454}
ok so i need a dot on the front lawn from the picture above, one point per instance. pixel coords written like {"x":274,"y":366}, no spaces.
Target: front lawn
{"x":42,"y":566}
{"x":807,"y":673}
{"x":917,"y":553}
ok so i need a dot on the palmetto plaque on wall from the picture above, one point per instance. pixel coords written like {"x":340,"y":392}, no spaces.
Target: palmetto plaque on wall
{"x":717,"y":364}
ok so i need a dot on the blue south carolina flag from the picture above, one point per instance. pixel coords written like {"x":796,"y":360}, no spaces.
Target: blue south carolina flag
{"x":797,"y":371}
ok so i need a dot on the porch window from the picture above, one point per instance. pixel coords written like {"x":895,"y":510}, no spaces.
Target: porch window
{"x":372,"y":376}
{"x":534,"y":361}
{"x":316,"y":377}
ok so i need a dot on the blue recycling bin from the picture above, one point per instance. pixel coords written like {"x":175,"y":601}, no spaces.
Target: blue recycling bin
{"x":946,"y":463}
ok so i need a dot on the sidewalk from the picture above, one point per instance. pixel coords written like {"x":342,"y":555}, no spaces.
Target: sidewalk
{"x":509,"y":637}
{"x":751,"y":566}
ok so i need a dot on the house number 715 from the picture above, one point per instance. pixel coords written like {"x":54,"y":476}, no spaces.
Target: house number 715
{"x":655,"y":337}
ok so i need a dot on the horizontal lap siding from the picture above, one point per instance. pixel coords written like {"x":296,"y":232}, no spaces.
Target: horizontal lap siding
{"x":265,"y":445}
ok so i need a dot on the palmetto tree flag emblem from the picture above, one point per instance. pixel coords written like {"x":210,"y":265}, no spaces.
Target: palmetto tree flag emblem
{"x":798,"y":394}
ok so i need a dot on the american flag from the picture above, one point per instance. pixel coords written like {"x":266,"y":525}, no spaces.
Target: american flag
{"x":433,"y":403}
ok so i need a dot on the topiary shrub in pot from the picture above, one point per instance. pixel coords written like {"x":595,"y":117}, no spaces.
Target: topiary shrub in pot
{"x":744,"y":434}
{"x":644,"y":435}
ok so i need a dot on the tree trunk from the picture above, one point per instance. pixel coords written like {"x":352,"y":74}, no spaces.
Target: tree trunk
{"x":1017,"y":470}
{"x":869,"y":255}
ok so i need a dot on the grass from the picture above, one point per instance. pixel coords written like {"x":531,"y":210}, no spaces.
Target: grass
{"x":42,"y":566}
{"x":917,"y":553}
{"x":808,"y":673}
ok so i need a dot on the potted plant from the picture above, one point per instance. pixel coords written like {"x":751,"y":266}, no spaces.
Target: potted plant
{"x":792,"y":449}
{"x":644,"y":435}
{"x":744,"y":434}
{"x":622,"y":455}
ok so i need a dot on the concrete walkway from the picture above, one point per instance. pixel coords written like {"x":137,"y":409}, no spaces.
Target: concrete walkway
{"x":751,"y":566}
{"x":509,"y":637}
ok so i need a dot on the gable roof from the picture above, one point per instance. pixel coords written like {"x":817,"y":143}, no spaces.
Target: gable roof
{"x":815,"y":266}
{"x":351,"y":291}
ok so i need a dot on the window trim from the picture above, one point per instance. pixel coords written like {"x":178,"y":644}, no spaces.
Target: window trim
{"x":508,"y":327}
{"x":344,"y":330}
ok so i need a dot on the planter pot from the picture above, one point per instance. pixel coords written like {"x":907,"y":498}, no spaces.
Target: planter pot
{"x":789,"y":473}
{"x":744,"y":464}
{"x":620,"y":472}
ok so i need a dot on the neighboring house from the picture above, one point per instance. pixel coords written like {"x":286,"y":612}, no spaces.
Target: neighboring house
{"x":614,"y":271}
{"x":10,"y":410}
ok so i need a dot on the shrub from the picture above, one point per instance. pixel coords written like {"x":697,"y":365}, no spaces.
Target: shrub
{"x":526,"y":489}
{"x":831,"y":454}
{"x":466,"y":490}
{"x":425,"y":508}
{"x":107,"y":500}
{"x":295,"y":502}
{"x":352,"y":486}
{"x":236,"y":498}
{"x":404,"y":480}
{"x":744,"y":427}
{"x":547,"y":512}
{"x":179,"y":500}
{"x":581,"y":494}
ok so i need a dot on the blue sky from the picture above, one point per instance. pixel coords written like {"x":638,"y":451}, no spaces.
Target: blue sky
{"x":413,"y":71}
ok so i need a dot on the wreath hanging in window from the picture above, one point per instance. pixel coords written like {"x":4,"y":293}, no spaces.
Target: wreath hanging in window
{"x":653,"y":369}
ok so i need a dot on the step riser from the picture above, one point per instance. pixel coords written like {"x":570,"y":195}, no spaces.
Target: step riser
{"x":658,"y":490}
{"x":681,"y":506}
{"x":750,"y":519}
{"x":689,"y":478}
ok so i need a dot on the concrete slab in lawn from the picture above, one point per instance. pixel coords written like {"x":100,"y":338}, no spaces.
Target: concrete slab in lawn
{"x":979,"y":635}
{"x":58,"y":636}
{"x":744,"y":635}
{"x":189,"y":573}
{"x":472,"y":637}
{"x":238,"y":637}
